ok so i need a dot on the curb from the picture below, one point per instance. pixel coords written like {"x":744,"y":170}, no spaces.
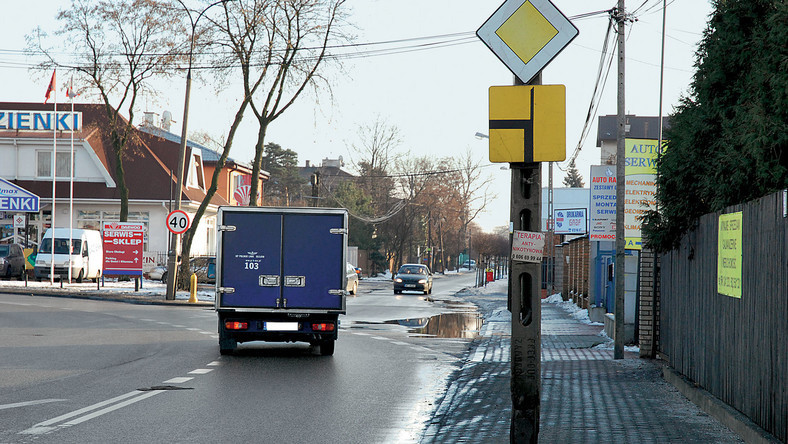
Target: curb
{"x":112,"y":297}
{"x":727,"y":415}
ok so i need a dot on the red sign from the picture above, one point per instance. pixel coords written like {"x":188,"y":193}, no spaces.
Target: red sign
{"x":178,"y":221}
{"x":123,"y":248}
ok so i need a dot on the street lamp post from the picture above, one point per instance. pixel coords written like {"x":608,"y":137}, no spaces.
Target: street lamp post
{"x":175,"y":239}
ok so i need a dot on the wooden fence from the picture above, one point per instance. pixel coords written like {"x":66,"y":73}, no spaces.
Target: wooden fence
{"x":736,"y":348}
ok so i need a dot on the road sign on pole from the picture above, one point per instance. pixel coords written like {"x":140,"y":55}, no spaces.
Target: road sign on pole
{"x":526,"y":35}
{"x":527,"y":123}
{"x":178,"y":221}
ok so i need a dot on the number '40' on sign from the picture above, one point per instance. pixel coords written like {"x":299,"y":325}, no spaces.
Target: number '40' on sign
{"x":178,"y":221}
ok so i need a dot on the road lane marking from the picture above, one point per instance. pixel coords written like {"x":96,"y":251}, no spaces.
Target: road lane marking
{"x":112,"y":408}
{"x":179,"y":380}
{"x":200,"y":371}
{"x":29,"y":403}
{"x":46,"y":426}
{"x":215,"y":363}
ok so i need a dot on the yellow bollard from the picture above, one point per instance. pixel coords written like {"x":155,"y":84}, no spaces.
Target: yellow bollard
{"x":193,"y":289}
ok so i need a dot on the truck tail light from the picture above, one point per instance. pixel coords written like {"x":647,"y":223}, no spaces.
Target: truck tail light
{"x":323,"y":326}
{"x":235,"y":325}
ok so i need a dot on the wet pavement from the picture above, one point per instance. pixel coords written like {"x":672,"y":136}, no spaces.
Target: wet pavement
{"x":586,"y":396}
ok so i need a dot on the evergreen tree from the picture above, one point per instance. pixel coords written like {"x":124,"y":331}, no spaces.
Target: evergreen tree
{"x":285,"y":183}
{"x":729,"y":137}
{"x":573,"y":178}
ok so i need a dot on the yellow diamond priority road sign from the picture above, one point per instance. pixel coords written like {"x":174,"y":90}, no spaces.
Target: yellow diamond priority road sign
{"x":528,"y":123}
{"x":526,"y":35}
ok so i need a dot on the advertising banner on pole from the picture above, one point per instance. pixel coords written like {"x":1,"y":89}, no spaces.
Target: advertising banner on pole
{"x":602,"y":204}
{"x":123,"y":248}
{"x":527,"y":246}
{"x":641,"y":188}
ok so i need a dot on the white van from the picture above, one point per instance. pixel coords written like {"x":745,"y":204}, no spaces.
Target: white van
{"x":87,"y":256}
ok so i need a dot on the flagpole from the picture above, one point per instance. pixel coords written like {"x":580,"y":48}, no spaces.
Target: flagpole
{"x":54,"y":180}
{"x":70,"y":94}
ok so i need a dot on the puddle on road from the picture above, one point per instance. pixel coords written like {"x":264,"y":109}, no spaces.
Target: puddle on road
{"x":465,"y":325}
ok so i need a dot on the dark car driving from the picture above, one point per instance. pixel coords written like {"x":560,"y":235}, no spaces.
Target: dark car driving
{"x":413,"y":277}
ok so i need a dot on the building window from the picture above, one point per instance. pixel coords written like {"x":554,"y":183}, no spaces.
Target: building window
{"x":44,"y":164}
{"x":196,"y":176}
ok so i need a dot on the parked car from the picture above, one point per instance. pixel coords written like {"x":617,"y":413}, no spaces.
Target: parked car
{"x":12,"y":260}
{"x":352,"y":279}
{"x":471,"y":264}
{"x":156,"y":273}
{"x":415,"y":277}
{"x":203,"y":266}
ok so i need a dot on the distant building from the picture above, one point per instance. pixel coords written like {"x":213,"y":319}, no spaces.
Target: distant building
{"x":636,"y":128}
{"x":331,"y":172}
{"x":150,"y":165}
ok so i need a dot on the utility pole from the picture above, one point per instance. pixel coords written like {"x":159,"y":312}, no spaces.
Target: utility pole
{"x":618,"y":346}
{"x":525,"y":303}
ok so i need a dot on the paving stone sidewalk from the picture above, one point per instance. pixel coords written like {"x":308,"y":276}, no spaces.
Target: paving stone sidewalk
{"x":587,"y":397}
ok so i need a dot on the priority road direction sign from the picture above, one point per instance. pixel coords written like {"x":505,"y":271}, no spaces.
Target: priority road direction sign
{"x":178,"y":221}
{"x":526,"y":35}
{"x":528,"y":123}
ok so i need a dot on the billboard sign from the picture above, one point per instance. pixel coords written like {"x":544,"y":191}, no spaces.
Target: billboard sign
{"x":570,"y":221}
{"x":17,"y":199}
{"x":602,"y":204}
{"x":729,"y":255}
{"x":640,"y":189}
{"x":527,"y":246}
{"x":123,"y":248}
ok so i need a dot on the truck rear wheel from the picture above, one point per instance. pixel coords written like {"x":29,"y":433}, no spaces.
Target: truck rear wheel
{"x":327,"y":347}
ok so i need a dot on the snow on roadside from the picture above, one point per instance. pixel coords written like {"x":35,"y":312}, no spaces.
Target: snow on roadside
{"x":577,"y":313}
{"x":152,"y":289}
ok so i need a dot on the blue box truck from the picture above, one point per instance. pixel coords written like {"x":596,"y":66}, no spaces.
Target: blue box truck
{"x":280,"y":275}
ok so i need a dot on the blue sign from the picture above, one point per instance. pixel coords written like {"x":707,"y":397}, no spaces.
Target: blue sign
{"x":40,"y":120}
{"x":17,"y":199}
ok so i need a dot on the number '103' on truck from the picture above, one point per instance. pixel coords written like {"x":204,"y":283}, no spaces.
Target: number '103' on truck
{"x":280,"y":275}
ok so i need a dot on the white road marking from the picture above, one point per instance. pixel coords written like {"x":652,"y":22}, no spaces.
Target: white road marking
{"x":46,"y":426}
{"x":193,"y":329}
{"x":380,"y":338}
{"x":179,"y":380}
{"x":206,"y":333}
{"x":215,"y":363}
{"x":112,"y":408}
{"x":200,"y":371}
{"x":29,"y":403}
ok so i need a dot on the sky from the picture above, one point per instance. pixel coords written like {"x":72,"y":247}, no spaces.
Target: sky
{"x":437,"y":98}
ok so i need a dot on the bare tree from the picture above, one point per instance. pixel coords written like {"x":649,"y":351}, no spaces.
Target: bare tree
{"x":373,"y":159}
{"x":280,"y":46}
{"x":117,"y":47}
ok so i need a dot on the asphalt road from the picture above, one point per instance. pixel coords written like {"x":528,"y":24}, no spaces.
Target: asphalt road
{"x":76,"y":371}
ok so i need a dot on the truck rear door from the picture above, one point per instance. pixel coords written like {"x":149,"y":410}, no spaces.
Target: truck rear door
{"x":251,"y":259}
{"x":283,"y":260}
{"x":313,"y":261}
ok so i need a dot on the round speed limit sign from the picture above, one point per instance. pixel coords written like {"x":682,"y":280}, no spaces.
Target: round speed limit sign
{"x":178,"y":221}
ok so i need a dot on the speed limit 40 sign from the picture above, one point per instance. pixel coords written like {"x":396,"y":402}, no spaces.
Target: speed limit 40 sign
{"x":178,"y":221}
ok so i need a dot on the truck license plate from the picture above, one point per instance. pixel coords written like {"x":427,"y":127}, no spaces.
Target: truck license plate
{"x":281,"y":326}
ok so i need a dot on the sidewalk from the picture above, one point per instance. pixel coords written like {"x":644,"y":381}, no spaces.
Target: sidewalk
{"x":586,"y":396}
